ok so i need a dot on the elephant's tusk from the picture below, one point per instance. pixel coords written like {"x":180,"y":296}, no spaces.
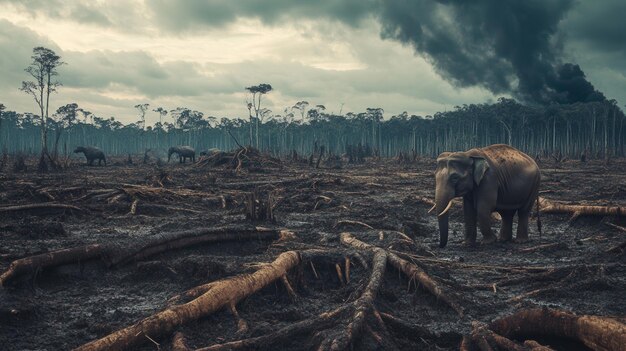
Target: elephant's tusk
{"x":432,"y":208}
{"x":446,"y":209}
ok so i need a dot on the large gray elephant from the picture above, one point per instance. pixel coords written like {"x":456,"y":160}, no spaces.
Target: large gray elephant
{"x":496,"y":178}
{"x":184,"y":153}
{"x":92,"y":153}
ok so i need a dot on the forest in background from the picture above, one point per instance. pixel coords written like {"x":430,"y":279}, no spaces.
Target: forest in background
{"x":569,"y":129}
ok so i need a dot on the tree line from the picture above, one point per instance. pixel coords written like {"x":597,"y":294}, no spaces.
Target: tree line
{"x":594,"y":128}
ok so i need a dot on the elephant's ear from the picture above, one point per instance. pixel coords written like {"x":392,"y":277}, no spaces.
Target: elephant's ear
{"x":480,"y":167}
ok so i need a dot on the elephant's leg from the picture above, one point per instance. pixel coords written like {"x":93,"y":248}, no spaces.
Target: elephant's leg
{"x":484,"y":222}
{"x":485,"y":204}
{"x":469,"y":213}
{"x":522,"y":225}
{"x":506,"y":229}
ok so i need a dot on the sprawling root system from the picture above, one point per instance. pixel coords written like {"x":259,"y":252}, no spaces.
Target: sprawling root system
{"x":243,"y":252}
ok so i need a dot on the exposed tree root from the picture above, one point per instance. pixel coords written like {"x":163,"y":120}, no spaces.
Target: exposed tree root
{"x":412,"y":271}
{"x":620,"y":228}
{"x":362,"y":307}
{"x":617,"y":248}
{"x":242,"y":325}
{"x":179,"y":343}
{"x":226,"y":293}
{"x":177,"y":240}
{"x":544,"y":247}
{"x":415,"y":331}
{"x":118,"y":256}
{"x":351,"y":222}
{"x":484,"y":338}
{"x":596,"y":332}
{"x":535,"y":346}
{"x":51,"y":259}
{"x":41,"y":206}
{"x":548,"y":206}
{"x":323,"y":321}
{"x":341,"y":336}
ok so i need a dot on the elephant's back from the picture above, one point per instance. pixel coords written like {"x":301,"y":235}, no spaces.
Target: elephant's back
{"x":515,"y":160}
{"x":183,"y":150}
{"x":93,"y":151}
{"x":518,"y":175}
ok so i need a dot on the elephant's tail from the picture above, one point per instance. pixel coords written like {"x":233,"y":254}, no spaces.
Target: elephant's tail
{"x":538,"y":217}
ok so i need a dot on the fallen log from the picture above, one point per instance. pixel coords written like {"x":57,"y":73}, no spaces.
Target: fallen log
{"x":41,"y":206}
{"x":334,"y":339}
{"x":596,"y":332}
{"x":547,"y":206}
{"x":412,"y":271}
{"x":177,"y":240}
{"x":226,"y":293}
{"x":51,"y":259}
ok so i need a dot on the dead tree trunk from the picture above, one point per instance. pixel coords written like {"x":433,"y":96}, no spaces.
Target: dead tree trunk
{"x":547,"y":206}
{"x":228,"y":292}
{"x":596,"y":332}
{"x":51,"y":259}
{"x":177,"y":240}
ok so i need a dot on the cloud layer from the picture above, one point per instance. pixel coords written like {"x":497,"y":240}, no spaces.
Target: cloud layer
{"x":419,"y":56}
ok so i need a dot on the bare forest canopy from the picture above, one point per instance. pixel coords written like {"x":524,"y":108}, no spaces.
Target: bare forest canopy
{"x":596,"y":128}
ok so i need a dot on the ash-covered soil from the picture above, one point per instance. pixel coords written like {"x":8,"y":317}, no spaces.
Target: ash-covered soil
{"x":64,"y":307}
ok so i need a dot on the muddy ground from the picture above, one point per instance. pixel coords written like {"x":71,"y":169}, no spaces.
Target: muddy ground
{"x":64,"y":307}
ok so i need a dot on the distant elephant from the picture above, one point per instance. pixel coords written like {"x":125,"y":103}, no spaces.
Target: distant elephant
{"x":92,"y":153}
{"x":496,"y":178}
{"x":184,"y":153}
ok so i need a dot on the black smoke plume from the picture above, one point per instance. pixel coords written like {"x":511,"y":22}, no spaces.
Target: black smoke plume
{"x":506,"y":46}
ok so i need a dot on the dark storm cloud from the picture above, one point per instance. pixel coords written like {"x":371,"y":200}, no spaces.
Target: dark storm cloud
{"x":187,"y":15}
{"x":601,"y":24}
{"x":503,"y":45}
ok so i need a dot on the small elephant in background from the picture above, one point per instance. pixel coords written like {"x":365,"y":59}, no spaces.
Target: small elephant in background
{"x":92,"y":153}
{"x":496,"y":178}
{"x":184,"y":153}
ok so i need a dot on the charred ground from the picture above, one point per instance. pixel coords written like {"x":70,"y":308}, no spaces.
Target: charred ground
{"x":576,"y":265}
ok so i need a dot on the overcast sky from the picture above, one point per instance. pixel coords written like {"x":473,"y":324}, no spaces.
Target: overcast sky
{"x":414,"y":56}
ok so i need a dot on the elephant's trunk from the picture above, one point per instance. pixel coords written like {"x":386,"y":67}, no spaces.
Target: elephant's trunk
{"x":443,"y":202}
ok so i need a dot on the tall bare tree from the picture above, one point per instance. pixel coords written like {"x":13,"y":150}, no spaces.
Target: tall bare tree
{"x":2,"y":108}
{"x":64,"y":118}
{"x":257,"y":91}
{"x":43,"y":69}
{"x":301,"y":106}
{"x":142,"y":114}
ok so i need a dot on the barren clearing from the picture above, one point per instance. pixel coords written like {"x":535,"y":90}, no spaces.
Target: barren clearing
{"x":299,"y":258}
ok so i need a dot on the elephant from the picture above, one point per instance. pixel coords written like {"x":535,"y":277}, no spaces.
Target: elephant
{"x":184,"y":153}
{"x":496,"y":178}
{"x":92,"y":153}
